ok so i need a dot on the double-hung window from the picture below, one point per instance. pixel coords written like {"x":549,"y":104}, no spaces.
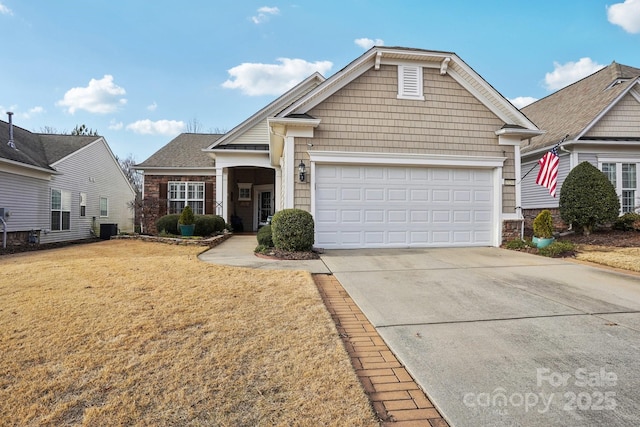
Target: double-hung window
{"x":60,"y":210}
{"x":624,"y":178}
{"x":186,"y":193}
{"x":104,"y":207}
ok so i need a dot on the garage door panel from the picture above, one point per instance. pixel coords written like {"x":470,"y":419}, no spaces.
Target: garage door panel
{"x":385,"y":206}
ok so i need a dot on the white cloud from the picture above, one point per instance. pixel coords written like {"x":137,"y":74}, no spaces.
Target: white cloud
{"x":101,"y":96}
{"x":366,"y":43}
{"x":272,"y":79}
{"x":115,"y":125}
{"x":152,"y":107}
{"x":160,"y":127}
{"x":626,"y":15}
{"x":264,"y":13}
{"x":522,"y":101}
{"x":565,"y":74}
{"x":32,"y":111}
{"x":4,"y":10}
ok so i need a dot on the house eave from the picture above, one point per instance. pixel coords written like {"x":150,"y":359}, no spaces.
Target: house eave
{"x":13,"y":164}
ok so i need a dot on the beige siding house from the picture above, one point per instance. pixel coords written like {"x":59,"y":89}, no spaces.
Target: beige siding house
{"x":57,"y":188}
{"x":401,"y":148}
{"x":599,"y":119}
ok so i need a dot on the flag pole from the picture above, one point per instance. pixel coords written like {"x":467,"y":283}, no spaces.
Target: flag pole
{"x":536,"y":164}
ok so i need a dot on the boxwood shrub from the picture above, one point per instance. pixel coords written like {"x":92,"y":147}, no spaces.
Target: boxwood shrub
{"x":292,"y":230}
{"x":205,"y":225}
{"x":627,"y":222}
{"x":168,"y":224}
{"x":265,"y":237}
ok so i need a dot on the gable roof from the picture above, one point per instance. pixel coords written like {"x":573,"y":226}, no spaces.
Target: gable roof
{"x":271,"y":109}
{"x":571,"y":110}
{"x":184,"y":151}
{"x":40,"y":151}
{"x":447,"y":62}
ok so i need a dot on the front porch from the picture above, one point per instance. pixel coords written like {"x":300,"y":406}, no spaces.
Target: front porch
{"x":246,"y":196}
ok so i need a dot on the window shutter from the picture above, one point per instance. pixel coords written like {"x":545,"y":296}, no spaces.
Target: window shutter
{"x":208,"y":199}
{"x":163,"y":193}
{"x":410,"y":82}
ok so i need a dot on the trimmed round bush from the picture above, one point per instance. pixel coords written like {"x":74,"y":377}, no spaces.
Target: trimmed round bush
{"x":265,"y":237}
{"x":588,"y":198}
{"x":293,"y":230}
{"x":207,"y":225}
{"x":627,"y":222}
{"x":168,"y":224}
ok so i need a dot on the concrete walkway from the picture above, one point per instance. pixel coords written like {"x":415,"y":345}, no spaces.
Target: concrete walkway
{"x":238,"y":252}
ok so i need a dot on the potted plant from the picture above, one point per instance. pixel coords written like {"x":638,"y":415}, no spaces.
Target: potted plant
{"x":543,"y":229}
{"x":187,"y":221}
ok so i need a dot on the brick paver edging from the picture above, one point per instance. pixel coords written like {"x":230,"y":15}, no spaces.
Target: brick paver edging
{"x":395,"y":396}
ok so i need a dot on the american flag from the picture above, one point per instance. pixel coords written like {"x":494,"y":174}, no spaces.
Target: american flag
{"x":548,"y":174}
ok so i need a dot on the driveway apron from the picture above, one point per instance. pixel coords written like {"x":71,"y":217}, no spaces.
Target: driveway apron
{"x":502,"y":338}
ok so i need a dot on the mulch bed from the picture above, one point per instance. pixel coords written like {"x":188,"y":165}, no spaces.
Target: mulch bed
{"x":285,"y":255}
{"x":613,"y":238}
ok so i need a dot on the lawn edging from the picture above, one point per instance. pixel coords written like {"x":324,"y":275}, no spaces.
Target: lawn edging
{"x":210,"y":242}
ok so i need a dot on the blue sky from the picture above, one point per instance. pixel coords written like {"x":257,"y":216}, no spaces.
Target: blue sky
{"x":141,"y":72}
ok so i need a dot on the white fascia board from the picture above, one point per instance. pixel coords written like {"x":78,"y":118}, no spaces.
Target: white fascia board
{"x":17,"y":168}
{"x":604,"y":112}
{"x":178,"y":171}
{"x":244,"y":159}
{"x":513,"y":136}
{"x":405,"y":159}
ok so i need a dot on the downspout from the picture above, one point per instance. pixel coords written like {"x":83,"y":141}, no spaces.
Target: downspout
{"x":4,"y":233}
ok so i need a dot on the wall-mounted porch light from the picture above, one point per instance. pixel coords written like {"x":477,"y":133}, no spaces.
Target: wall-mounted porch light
{"x":302,"y":169}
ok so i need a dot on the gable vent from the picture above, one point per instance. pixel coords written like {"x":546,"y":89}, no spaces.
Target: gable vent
{"x":410,"y":82}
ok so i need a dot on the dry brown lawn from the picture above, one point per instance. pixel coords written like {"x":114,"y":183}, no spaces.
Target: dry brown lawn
{"x":133,"y":333}
{"x":624,"y":258}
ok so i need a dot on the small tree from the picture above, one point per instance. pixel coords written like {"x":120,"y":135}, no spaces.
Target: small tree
{"x":588,"y":198}
{"x":187,"y":217}
{"x":543,"y":225}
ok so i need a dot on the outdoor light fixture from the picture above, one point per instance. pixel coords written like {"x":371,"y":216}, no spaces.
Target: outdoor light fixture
{"x":302,"y":171}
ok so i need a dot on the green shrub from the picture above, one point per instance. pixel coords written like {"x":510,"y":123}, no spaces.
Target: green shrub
{"x":186,"y":216}
{"x":168,"y":224}
{"x":628,"y":221}
{"x":208,"y":225}
{"x":588,"y":198}
{"x":292,"y":230}
{"x":265,"y":237}
{"x":558,"y":249}
{"x":517,"y":244}
{"x":262,"y":249}
{"x":543,"y":225}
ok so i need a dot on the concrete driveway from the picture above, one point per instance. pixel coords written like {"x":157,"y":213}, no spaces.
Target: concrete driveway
{"x":501,"y":338}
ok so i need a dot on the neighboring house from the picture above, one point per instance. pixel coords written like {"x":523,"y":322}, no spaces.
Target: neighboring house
{"x":60,"y":187}
{"x":600,"y":118}
{"x":401,"y":148}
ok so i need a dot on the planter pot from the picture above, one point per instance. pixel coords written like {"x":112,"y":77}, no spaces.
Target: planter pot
{"x":534,"y":241}
{"x":543,"y":243}
{"x":187,"y":230}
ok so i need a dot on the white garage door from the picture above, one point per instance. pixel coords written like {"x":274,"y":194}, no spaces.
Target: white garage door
{"x":385,"y":206}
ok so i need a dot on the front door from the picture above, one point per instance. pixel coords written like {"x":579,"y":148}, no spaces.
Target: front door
{"x":264,"y":204}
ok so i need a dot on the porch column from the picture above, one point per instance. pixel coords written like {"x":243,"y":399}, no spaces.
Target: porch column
{"x":220,"y":192}
{"x":289,"y":171}
{"x":278,"y":190}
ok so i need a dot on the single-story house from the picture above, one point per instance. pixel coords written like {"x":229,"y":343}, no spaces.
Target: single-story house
{"x":401,"y":148}
{"x":599,"y":119}
{"x":57,"y":188}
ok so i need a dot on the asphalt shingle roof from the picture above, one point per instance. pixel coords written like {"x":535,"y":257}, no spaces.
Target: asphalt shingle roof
{"x":39,"y":150}
{"x":569,"y":110}
{"x":185,"y":150}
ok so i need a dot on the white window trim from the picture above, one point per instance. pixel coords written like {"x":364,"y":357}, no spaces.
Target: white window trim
{"x":106,"y":199}
{"x":65,"y":206}
{"x":618,"y":162}
{"x":403,"y":93}
{"x":244,"y":186}
{"x":186,"y":198}
{"x":83,"y":204}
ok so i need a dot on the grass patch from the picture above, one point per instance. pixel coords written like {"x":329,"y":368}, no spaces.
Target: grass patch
{"x":137,"y":333}
{"x":625,"y":258}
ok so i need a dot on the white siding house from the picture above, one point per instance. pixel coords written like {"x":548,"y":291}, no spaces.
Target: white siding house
{"x":56,"y":188}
